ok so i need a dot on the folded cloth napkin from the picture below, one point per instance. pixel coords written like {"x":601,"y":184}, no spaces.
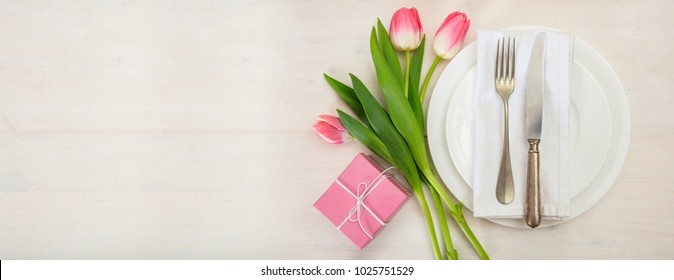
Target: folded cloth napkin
{"x":554,"y":146}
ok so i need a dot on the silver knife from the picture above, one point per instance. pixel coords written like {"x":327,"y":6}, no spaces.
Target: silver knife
{"x":533,"y":122}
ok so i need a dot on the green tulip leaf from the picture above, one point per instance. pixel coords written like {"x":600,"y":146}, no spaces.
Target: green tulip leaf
{"x":364,"y":135}
{"x":382,"y":125}
{"x":415,"y":76}
{"x":415,"y":67}
{"x":390,"y":54}
{"x":347,"y":94}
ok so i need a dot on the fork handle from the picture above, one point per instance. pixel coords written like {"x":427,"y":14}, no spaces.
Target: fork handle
{"x":533,"y":206}
{"x":505,"y":188}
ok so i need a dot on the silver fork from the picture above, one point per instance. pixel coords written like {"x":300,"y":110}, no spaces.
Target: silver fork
{"x":504,"y":81}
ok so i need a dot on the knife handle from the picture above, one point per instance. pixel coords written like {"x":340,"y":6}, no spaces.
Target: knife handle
{"x":533,"y":206}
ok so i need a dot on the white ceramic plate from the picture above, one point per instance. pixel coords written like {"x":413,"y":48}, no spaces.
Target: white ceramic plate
{"x":600,"y":128}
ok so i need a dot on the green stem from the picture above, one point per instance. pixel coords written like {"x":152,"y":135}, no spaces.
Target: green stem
{"x":407,"y":72}
{"x":449,"y":246}
{"x":456,"y":210}
{"x":422,"y":93}
{"x":419,"y":194}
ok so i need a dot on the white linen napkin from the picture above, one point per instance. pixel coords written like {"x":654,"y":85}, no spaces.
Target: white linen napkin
{"x":554,"y":146}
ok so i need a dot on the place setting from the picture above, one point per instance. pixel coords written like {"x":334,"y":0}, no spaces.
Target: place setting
{"x":568,"y":126}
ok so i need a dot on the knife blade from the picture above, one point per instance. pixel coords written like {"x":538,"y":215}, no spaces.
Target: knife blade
{"x":535,"y":88}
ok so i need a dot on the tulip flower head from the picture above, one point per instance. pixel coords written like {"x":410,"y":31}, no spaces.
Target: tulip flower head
{"x":449,"y":37}
{"x":330,"y":129}
{"x":405,"y":30}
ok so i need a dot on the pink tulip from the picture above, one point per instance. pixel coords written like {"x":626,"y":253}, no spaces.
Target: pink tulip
{"x":330,"y":129}
{"x":406,"y":31}
{"x":449,"y":37}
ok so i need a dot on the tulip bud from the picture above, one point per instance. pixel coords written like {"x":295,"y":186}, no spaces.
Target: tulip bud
{"x":405,"y":30}
{"x":330,"y":129}
{"x":449,"y":37}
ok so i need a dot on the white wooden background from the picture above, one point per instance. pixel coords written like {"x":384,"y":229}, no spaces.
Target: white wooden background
{"x":181,"y":129}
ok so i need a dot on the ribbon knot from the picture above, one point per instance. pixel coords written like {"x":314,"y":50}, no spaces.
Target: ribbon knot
{"x":367,"y":189}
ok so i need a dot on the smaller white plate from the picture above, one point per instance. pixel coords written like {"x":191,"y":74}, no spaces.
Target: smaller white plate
{"x":590,"y":127}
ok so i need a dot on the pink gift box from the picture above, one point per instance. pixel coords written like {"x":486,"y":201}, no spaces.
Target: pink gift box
{"x":362,"y":199}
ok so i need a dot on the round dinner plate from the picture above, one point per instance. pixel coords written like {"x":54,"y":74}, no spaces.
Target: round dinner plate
{"x":599,"y":128}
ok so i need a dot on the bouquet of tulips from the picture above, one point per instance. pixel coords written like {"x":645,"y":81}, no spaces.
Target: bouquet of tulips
{"x":396,"y":132}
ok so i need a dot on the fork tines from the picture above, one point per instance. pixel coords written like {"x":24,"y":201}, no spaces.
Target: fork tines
{"x":505,"y":53}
